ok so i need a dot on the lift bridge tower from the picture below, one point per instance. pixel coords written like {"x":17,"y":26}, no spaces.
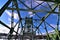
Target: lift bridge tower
{"x":28,"y":30}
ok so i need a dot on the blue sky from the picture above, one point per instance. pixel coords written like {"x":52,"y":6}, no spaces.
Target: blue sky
{"x":6,"y":16}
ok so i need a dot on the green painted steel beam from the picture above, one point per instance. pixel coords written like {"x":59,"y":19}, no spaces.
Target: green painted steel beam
{"x":43,"y":19}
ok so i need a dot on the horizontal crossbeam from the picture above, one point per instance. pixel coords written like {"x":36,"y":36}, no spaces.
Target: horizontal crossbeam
{"x":20,"y":9}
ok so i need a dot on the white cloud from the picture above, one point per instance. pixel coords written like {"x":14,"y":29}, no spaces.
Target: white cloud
{"x":51,"y":31}
{"x":53,"y":25}
{"x":9,"y":19}
{"x":0,"y":7}
{"x":15,"y":14}
{"x":13,"y":25}
{"x":54,"y":14}
{"x":28,"y":3}
{"x":15,"y":17}
{"x":4,"y":29}
{"x":31,"y":14}
{"x":39,"y":1}
{"x":7,"y":12}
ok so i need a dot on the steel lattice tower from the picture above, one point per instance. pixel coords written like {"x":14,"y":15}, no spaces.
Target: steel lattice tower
{"x":51,"y":6}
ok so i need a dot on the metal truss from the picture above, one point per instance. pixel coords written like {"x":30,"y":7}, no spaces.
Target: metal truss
{"x":42,"y":20}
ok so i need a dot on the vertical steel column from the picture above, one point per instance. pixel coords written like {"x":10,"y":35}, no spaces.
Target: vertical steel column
{"x":12,"y":24}
{"x":58,"y":17}
{"x":16,"y":5}
{"x":32,"y":33}
{"x":31,"y":19}
{"x":57,"y":29}
{"x":59,"y":20}
{"x":17,"y":32}
{"x":58,"y":24}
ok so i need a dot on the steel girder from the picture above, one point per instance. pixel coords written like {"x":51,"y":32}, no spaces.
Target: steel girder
{"x":5,"y":7}
{"x":6,"y":26}
{"x":29,"y":9}
{"x":32,"y":10}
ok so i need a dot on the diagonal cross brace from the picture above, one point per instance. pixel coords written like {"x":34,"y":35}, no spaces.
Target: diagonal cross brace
{"x":5,"y":7}
{"x":6,"y":26}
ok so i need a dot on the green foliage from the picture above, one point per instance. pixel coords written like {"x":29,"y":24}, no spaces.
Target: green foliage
{"x":55,"y":36}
